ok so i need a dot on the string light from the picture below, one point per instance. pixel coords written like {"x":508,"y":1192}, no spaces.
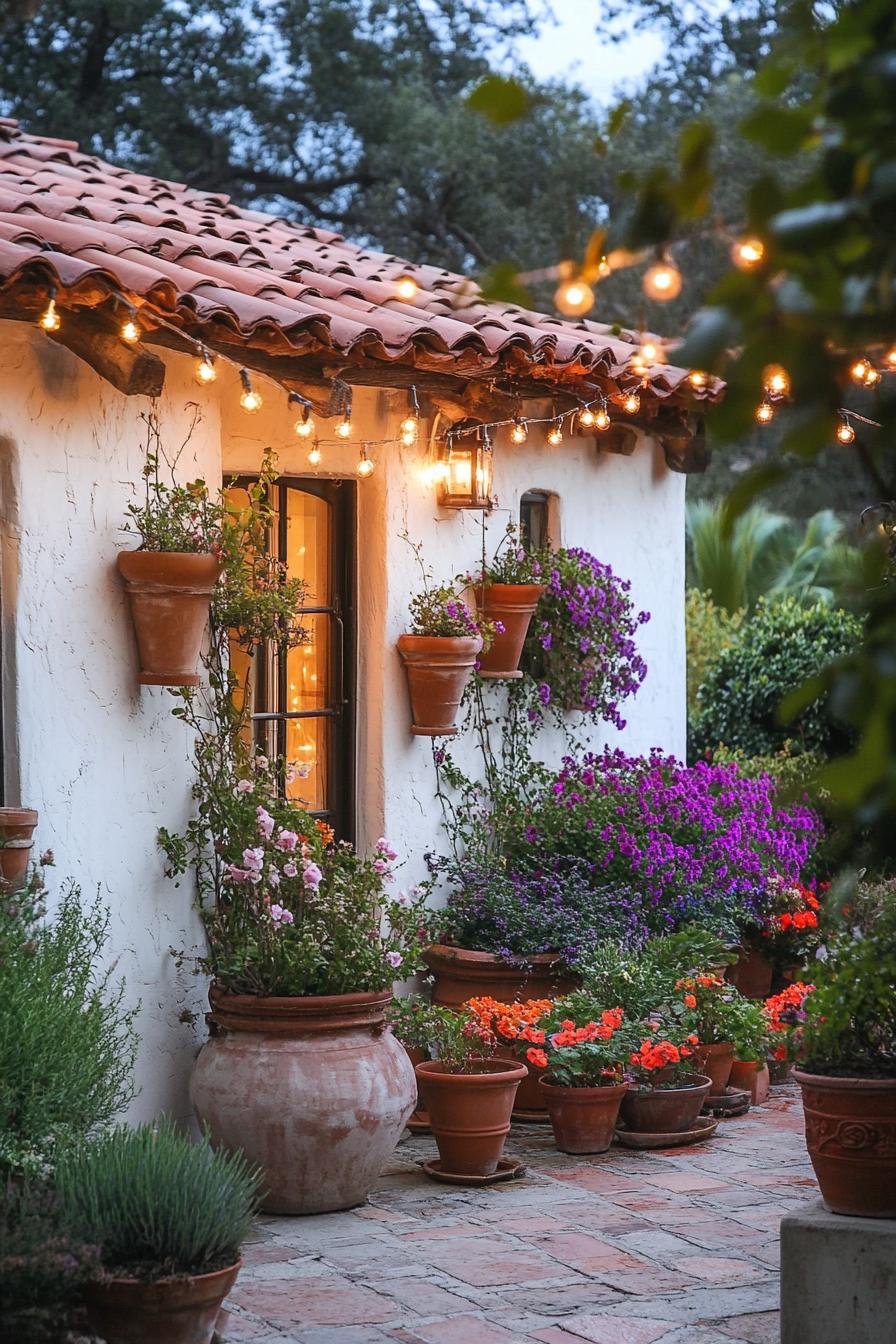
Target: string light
{"x":776,"y":380}
{"x":519,"y":433}
{"x":632,"y":403}
{"x":406,"y":288}
{"x":764,"y":413}
{"x":603,"y":268}
{"x":650,"y":352}
{"x":873,"y":376}
{"x":698,"y":379}
{"x":314,"y":454}
{"x":129,"y":331}
{"x":49,"y":319}
{"x":574,"y":298}
{"x":890,"y":357}
{"x":555,"y":433}
{"x":845,"y":432}
{"x":859,"y":370}
{"x":344,"y":428}
{"x":205,"y":369}
{"x":602,"y":419}
{"x":410,"y":425}
{"x":304,"y":427}
{"x":662,"y":281}
{"x":747,"y":253}
{"x":250,"y":400}
{"x":365,"y":465}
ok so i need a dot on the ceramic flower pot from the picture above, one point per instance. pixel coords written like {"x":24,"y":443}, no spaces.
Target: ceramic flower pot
{"x":851,"y":1138}
{"x":469,"y":1113}
{"x":17,"y":825}
{"x":583,"y":1118}
{"x":753,"y":1077}
{"x":751,"y":974}
{"x":511,"y":605}
{"x":167,"y":1311}
{"x":461,"y":974}
{"x":438,"y":669}
{"x":313,"y":1090}
{"x":715,"y":1061}
{"x":169,"y":593}
{"x":665,"y":1110}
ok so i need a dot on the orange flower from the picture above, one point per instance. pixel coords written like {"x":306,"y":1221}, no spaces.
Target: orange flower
{"x":538,"y":1058}
{"x":690,"y":1001}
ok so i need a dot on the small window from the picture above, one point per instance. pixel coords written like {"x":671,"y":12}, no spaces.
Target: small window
{"x":534,"y":522}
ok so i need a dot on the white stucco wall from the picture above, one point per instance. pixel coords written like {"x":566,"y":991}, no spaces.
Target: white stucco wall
{"x":103,"y":760}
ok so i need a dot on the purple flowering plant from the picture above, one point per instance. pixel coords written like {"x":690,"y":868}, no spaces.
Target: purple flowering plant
{"x":581,"y":646}
{"x":439,"y":611}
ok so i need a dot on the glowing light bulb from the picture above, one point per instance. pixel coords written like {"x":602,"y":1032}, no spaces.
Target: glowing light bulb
{"x":845,"y":432}
{"x":662,"y":281}
{"x":130,"y":332}
{"x":555,"y":434}
{"x":365,"y":466}
{"x":632,"y":403}
{"x":872,"y":377}
{"x":49,"y":319}
{"x":764,"y":413}
{"x":650,"y":352}
{"x":305,"y":427}
{"x":410,"y":425}
{"x":587,"y":417}
{"x":776,"y":380}
{"x":574,"y":298}
{"x":250,"y":400}
{"x":698,"y":379}
{"x":315,"y":455}
{"x":602,"y":419}
{"x":603,"y":268}
{"x":519,"y":433}
{"x":406,"y":288}
{"x":205,"y":369}
{"x":890,"y":357}
{"x":747,"y":253}
{"x":859,"y":370}
{"x":344,"y":428}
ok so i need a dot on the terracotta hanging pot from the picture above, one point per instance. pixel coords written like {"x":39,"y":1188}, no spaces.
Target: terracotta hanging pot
{"x":716,"y":1062}
{"x":469,"y":1113}
{"x":438,"y":669}
{"x":665,"y":1110}
{"x":583,"y":1118}
{"x":313,"y":1090}
{"x":851,"y":1138}
{"x":512,"y":605}
{"x":169,"y":593}
{"x":166,"y":1311}
{"x":753,"y":1077}
{"x":751,"y":974}
{"x":17,"y":826}
{"x":461,"y":974}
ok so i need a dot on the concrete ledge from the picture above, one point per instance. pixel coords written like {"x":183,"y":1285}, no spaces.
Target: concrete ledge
{"x":838,"y":1278}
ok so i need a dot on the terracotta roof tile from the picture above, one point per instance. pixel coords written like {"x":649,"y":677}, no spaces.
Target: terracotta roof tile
{"x":192,"y":258}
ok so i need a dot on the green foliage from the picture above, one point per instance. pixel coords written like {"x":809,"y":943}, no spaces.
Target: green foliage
{"x":41,"y":1266}
{"x":457,"y":1039}
{"x":156,"y":1203}
{"x":643,"y":982}
{"x":67,"y":1042}
{"x":777,"y":650}
{"x":850,"y":1029}
{"x":748,"y":1030}
{"x":709,"y":631}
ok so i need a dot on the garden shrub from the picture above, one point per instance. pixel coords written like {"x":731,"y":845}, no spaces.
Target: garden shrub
{"x":777,"y":649}
{"x":41,"y":1266}
{"x":67,"y":1042}
{"x":709,"y":631}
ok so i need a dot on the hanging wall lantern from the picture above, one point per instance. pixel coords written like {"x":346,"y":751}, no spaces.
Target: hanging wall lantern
{"x":465,"y":481}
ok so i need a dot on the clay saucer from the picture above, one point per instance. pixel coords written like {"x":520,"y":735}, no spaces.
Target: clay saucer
{"x":703,"y":1129}
{"x":733,"y":1101}
{"x":508,"y":1169}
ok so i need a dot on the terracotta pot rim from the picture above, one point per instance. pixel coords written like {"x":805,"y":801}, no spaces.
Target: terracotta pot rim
{"x":716,"y":1047}
{"x":582,"y":1093}
{"x":699,"y":1080}
{"x":448,"y":952}
{"x":460,"y":643}
{"x":839,"y":1083}
{"x":123,"y":1281}
{"x":18,"y":816}
{"x":516,"y":588}
{"x":298,"y":1013}
{"x":502,"y":1071}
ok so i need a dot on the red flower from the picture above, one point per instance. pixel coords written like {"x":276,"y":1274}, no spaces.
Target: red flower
{"x":538,"y":1058}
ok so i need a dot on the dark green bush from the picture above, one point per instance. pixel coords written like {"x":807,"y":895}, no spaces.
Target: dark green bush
{"x":778,"y":648}
{"x":40,"y":1265}
{"x":67,"y":1042}
{"x":156,"y":1203}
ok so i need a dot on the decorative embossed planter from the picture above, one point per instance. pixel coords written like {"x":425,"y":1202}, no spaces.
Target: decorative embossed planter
{"x":461,"y":974}
{"x":851,"y":1137}
{"x":314,"y":1090}
{"x":165,"y":1311}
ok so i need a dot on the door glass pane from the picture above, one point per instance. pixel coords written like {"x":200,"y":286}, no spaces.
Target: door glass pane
{"x":307,"y":754}
{"x":308,"y":545}
{"x":308,"y":667}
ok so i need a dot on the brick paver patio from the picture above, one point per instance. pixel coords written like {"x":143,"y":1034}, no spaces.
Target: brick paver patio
{"x":671,"y":1247}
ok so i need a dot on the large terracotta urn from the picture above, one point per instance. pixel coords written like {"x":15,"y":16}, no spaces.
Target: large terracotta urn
{"x":851,"y":1138}
{"x":511,"y":606}
{"x":313,"y":1090}
{"x":461,"y":974}
{"x":17,"y":825}
{"x":438,"y":668}
{"x":169,"y":594}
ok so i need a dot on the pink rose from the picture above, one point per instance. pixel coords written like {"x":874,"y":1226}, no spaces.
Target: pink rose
{"x":290,"y":870}
{"x":253,"y":859}
{"x":244,"y":786}
{"x":312,"y":876}
{"x":287,"y":841}
{"x":265,"y":823}
{"x":383,"y":847}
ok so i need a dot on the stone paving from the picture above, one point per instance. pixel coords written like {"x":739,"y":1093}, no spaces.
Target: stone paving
{"x":671,"y":1247}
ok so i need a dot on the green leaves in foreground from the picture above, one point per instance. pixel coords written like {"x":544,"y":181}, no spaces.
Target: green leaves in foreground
{"x":500,"y":99}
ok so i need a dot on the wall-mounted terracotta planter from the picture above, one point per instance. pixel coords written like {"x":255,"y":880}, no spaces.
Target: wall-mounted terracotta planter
{"x":169,"y":593}
{"x":17,"y":826}
{"x":438,"y":669}
{"x":469,"y":1113}
{"x":461,"y":975}
{"x":665,"y":1110}
{"x":716,"y":1061}
{"x":167,"y":1311}
{"x":313,"y":1090}
{"x":583,"y":1118}
{"x":513,"y":605}
{"x":851,"y":1138}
